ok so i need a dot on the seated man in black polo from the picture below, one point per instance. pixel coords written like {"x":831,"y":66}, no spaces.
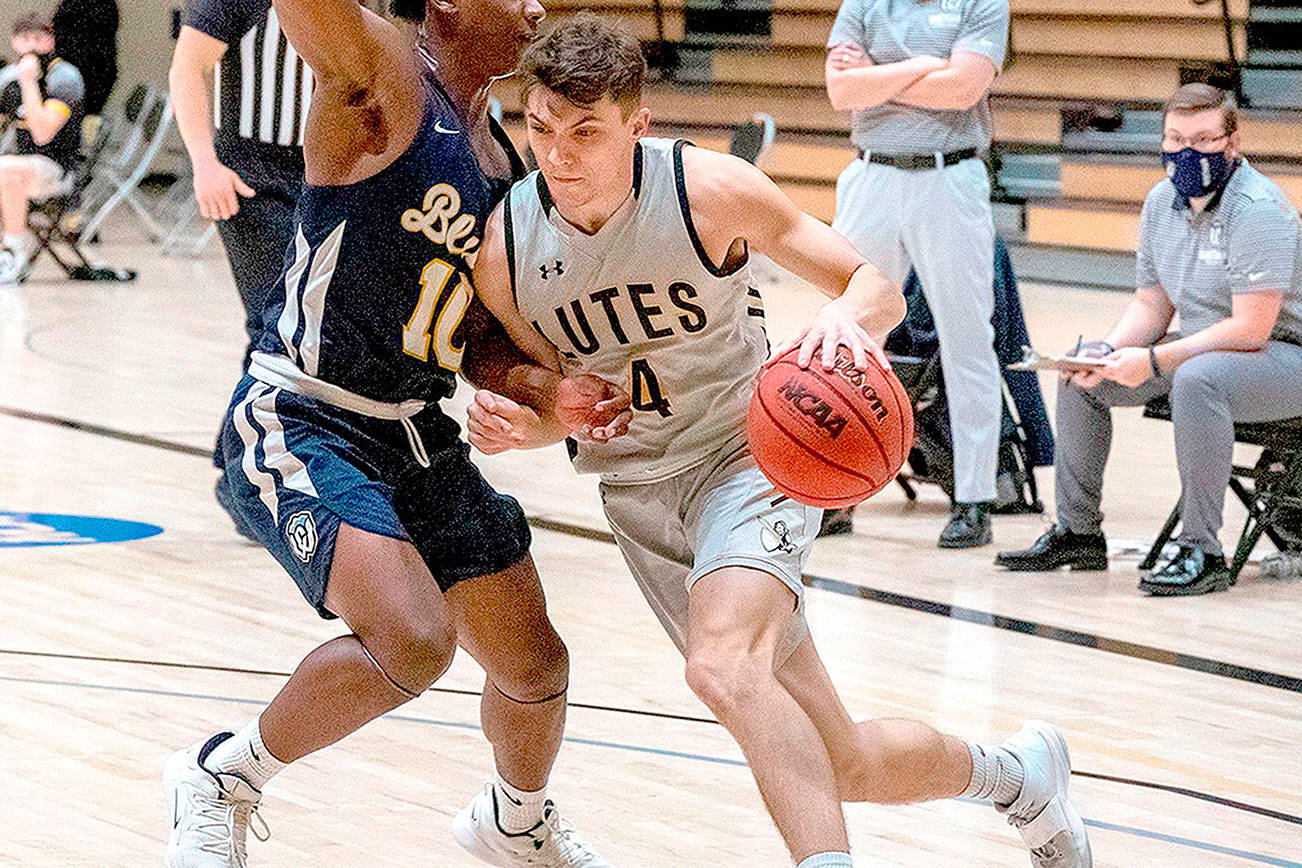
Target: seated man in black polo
{"x":43,"y":95}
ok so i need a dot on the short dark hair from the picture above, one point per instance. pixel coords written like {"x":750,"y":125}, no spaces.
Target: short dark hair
{"x":408,"y":10}
{"x":1198,"y":97}
{"x":33,"y":22}
{"x":585,"y":59}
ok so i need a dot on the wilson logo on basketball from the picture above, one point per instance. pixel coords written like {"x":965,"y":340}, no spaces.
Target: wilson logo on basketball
{"x":844,"y":366}
{"x":814,"y":407}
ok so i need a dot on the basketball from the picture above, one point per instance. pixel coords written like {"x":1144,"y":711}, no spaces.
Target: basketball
{"x":829,"y":438}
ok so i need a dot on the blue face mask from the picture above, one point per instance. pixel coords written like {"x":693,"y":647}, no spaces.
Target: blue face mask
{"x":1196,"y":174}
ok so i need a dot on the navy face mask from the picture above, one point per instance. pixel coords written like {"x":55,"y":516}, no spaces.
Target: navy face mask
{"x":1195,"y":173}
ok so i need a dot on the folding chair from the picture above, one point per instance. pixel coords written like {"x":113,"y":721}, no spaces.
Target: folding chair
{"x":752,"y":141}
{"x":1270,"y":490}
{"x":121,"y":175}
{"x":54,"y":222}
{"x":188,"y":233}
{"x":931,"y":460}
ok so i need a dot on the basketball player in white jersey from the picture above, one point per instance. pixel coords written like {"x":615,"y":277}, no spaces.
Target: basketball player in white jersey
{"x":625,"y":258}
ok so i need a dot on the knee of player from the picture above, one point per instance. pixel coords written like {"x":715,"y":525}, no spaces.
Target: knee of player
{"x":540,"y":672}
{"x":725,"y":680}
{"x":424,"y":648}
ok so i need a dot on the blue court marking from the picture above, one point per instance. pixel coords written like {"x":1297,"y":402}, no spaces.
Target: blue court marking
{"x":30,"y":529}
{"x":453,"y":724}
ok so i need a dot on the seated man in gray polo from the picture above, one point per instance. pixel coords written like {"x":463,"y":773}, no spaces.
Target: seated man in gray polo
{"x":915,"y":76}
{"x":1220,"y":245}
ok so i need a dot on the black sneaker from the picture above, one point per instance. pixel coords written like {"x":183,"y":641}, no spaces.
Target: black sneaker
{"x":837,"y":522}
{"x":1191,"y":571}
{"x":1058,"y":548}
{"x":969,"y":526}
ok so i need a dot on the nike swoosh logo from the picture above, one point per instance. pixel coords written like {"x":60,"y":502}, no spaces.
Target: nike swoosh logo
{"x":438,"y":128}
{"x":1257,"y":275}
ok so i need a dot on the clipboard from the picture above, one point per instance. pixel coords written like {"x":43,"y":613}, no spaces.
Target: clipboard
{"x":1033,"y":361}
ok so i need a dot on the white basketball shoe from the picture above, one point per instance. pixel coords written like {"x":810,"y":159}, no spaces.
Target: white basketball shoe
{"x":211,"y":811}
{"x":552,"y":842}
{"x":1049,"y":824}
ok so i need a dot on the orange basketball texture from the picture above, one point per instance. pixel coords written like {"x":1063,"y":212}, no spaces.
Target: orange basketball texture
{"x":829,"y":438}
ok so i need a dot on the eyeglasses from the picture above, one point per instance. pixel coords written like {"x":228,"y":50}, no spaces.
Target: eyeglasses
{"x":1201,"y":142}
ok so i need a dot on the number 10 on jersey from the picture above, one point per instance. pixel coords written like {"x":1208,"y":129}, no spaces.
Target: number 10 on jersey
{"x":416,"y":334}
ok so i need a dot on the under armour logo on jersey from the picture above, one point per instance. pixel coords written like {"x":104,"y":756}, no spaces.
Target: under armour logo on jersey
{"x":777,"y":538}
{"x":549,"y":270}
{"x":300,"y":531}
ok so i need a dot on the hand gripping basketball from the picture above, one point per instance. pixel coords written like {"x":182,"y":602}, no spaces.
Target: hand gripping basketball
{"x":829,"y":438}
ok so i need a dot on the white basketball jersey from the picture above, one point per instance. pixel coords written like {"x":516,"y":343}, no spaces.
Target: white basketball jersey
{"x":639,"y":303}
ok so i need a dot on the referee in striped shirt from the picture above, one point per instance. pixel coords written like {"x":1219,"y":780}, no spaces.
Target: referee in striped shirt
{"x":248,"y":174}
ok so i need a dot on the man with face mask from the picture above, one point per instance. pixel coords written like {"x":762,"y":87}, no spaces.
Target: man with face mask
{"x":1220,"y":245}
{"x":44,"y":96}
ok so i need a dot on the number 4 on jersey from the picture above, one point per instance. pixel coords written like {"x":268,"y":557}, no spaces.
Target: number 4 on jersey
{"x":646,"y":389}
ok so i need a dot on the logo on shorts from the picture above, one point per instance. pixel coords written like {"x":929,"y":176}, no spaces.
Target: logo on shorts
{"x":777,"y":538}
{"x":300,"y":530}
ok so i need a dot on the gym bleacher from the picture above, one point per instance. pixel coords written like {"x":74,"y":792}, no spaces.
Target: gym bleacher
{"x":1077,"y":109}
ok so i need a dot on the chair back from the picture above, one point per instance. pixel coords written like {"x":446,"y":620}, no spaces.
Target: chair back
{"x":752,"y":141}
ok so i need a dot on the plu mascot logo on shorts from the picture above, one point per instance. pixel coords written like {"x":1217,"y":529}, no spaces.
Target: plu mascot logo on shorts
{"x":300,"y":530}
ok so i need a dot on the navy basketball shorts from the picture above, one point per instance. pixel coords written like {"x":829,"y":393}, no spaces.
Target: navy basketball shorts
{"x":295,"y":468}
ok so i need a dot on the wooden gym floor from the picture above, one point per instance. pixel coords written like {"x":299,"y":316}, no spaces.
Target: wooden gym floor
{"x":1184,"y":716}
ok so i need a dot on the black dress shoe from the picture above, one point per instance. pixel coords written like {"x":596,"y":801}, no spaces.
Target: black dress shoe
{"x":1058,"y":548}
{"x":969,"y":526}
{"x":837,"y":522}
{"x":1191,"y":571}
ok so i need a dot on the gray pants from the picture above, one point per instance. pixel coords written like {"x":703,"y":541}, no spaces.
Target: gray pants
{"x":939,"y":221}
{"x":1209,"y":393}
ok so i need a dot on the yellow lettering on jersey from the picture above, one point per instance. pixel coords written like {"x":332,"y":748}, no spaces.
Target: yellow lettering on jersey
{"x":416,"y":337}
{"x":441,"y":221}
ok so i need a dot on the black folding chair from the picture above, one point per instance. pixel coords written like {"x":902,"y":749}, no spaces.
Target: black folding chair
{"x":1270,"y":490}
{"x":56,"y":222}
{"x":752,"y":141}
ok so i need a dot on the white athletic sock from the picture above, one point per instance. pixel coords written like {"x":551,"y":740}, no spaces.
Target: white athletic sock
{"x":517,"y":810}
{"x":996,"y":775}
{"x":245,"y":755}
{"x":830,"y":859}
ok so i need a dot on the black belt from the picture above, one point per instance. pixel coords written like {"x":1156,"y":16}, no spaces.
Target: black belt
{"x":920,"y":162}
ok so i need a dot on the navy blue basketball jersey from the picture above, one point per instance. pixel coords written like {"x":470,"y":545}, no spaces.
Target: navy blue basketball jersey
{"x":377,"y":280}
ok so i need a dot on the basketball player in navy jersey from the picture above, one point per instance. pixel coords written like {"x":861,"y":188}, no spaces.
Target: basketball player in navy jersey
{"x":625,"y":257}
{"x":337,"y":454}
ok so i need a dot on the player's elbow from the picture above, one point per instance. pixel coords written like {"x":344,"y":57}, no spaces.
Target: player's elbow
{"x":836,"y":95}
{"x":896,"y":308}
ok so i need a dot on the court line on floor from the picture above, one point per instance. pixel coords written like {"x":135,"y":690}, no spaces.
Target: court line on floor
{"x":1078,"y":638}
{"x":1211,"y":798}
{"x":1001,"y":622}
{"x":1205,"y":846}
{"x":836,"y":586}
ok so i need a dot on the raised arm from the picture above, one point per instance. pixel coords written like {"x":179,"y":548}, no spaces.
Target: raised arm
{"x":45,"y":114}
{"x":334,"y":37}
{"x":731,"y":199}
{"x":366,"y":83}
